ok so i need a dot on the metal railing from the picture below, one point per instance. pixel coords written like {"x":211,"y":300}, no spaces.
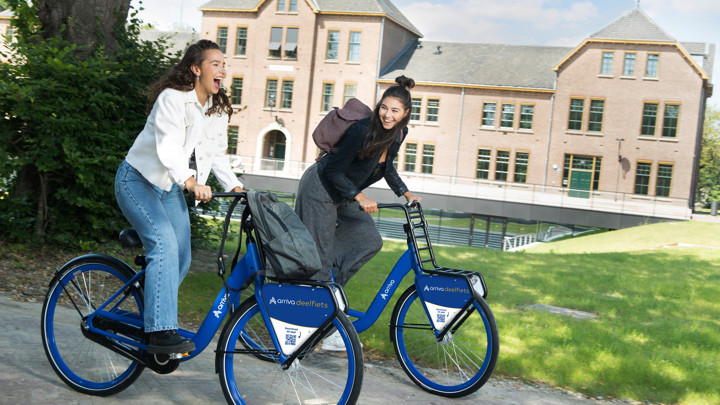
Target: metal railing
{"x":595,"y":200}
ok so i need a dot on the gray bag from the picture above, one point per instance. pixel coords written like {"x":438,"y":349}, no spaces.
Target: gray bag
{"x":288,"y":247}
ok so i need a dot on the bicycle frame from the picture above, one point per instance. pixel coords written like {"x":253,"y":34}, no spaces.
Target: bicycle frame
{"x":247,"y":267}
{"x":409,"y":261}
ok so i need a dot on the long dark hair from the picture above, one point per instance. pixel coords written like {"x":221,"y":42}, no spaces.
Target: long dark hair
{"x":180,"y":77}
{"x":380,"y":139}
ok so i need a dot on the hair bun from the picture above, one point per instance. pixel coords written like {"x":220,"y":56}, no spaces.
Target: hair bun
{"x":406,"y":82}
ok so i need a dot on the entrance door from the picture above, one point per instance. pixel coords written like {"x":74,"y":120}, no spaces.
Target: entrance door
{"x":581,"y":174}
{"x":580,"y":183}
{"x":274,"y":151}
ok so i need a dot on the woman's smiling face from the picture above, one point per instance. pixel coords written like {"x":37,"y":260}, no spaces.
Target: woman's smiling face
{"x":391,"y":112}
{"x":210,"y":73}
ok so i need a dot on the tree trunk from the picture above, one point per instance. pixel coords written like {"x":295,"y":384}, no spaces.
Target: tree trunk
{"x":87,"y":22}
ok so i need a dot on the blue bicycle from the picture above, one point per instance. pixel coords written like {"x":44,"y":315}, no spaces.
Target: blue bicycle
{"x":443,"y":331}
{"x":93,"y":336}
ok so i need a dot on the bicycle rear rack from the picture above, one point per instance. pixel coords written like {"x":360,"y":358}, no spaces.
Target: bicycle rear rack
{"x":418,"y":233}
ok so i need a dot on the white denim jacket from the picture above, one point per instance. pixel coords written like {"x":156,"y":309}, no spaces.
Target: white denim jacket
{"x":176,"y":126}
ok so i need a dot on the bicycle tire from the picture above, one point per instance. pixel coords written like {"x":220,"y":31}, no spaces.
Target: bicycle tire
{"x":458,"y":365}
{"x":82,"y":364}
{"x":316,"y":377}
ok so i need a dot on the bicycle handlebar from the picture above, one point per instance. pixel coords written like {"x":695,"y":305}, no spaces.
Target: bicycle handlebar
{"x":405,"y":205}
{"x":230,"y":194}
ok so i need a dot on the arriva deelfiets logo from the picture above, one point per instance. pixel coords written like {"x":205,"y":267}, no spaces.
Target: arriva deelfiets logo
{"x":387,"y":290}
{"x":460,"y":290}
{"x":288,"y":301}
{"x":221,"y":305}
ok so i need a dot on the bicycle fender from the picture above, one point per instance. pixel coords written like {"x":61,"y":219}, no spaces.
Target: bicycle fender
{"x":443,"y":296}
{"x":296,"y":312}
{"x":108,"y":260}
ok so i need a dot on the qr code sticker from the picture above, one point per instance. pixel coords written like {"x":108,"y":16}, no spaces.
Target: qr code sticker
{"x":290,"y":339}
{"x":441,"y":316}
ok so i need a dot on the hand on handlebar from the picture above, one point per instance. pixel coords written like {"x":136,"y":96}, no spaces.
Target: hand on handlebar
{"x":366,"y":204}
{"x":412,"y":198}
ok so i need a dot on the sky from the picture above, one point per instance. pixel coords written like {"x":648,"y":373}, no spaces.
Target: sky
{"x":517,"y":22}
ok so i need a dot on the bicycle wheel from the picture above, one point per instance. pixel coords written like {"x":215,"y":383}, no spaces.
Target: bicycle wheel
{"x":456,"y":366}
{"x":79,"y":289}
{"x":316,"y":377}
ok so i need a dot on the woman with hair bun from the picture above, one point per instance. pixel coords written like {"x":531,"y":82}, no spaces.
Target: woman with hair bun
{"x":331,"y":190}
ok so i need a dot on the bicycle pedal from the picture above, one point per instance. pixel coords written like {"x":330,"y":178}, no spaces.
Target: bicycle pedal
{"x":178,"y":356}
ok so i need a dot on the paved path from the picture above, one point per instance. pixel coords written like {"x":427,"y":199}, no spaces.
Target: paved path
{"x":27,"y":378}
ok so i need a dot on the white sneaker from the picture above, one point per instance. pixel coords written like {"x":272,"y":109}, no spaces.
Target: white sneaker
{"x":334,"y":343}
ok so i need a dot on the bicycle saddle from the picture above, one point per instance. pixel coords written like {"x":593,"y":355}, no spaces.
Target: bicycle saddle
{"x":130,"y":238}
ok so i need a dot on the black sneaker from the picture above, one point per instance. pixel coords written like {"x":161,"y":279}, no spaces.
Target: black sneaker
{"x":169,"y":341}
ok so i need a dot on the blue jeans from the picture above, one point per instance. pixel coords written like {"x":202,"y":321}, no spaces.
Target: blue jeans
{"x":161,"y":219}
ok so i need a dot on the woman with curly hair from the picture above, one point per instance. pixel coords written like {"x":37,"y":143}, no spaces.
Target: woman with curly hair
{"x":184,"y":138}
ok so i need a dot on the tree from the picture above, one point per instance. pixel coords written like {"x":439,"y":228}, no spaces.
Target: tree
{"x":72,"y":102}
{"x":88,"y":24}
{"x":709,"y":174}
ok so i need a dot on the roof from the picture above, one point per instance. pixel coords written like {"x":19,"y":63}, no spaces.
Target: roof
{"x":383,"y":8}
{"x":176,"y":40}
{"x":636,"y":26}
{"x":6,"y":14}
{"x":482,"y":65}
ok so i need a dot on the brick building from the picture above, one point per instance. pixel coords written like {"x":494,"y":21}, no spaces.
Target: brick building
{"x":618,"y":116}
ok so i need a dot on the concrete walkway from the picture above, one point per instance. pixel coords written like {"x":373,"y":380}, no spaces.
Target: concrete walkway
{"x":26,"y":377}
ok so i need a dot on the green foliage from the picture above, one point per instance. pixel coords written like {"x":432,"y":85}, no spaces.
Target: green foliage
{"x":709,"y":176}
{"x":67,"y":123}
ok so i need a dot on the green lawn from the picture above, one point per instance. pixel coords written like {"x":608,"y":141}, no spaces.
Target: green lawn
{"x":657,"y":332}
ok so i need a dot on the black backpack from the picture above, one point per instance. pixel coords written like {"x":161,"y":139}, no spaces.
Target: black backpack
{"x":287,"y":246}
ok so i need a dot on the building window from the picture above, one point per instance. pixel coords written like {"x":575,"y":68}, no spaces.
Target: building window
{"x":410,"y":156}
{"x":651,"y":68}
{"x":664,"y":178}
{"x":275,"y":42}
{"x":629,"y":65}
{"x":483,"y":164}
{"x":327,"y":96}
{"x":9,"y":33}
{"x":507,"y":118}
{"x":521,"y":166}
{"x":222,"y":38}
{"x":488,"y":118}
{"x":287,"y":94}
{"x":232,"y":132}
{"x":576,"y":114}
{"x":291,"y":39}
{"x":606,"y":66}
{"x":596,"y":115}
{"x":642,"y":178}
{"x":649,"y":119}
{"x":236,"y":90}
{"x":281,"y":6}
{"x":670,"y":122}
{"x":293,"y":6}
{"x":332,"y":45}
{"x":271,"y":93}
{"x":428,"y":158}
{"x":350,"y":92}
{"x":354,"y":46}
{"x":433,"y":110}
{"x":526,"y":116}
{"x":415,"y":109}
{"x":241,"y":41}
{"x":502,"y":164}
